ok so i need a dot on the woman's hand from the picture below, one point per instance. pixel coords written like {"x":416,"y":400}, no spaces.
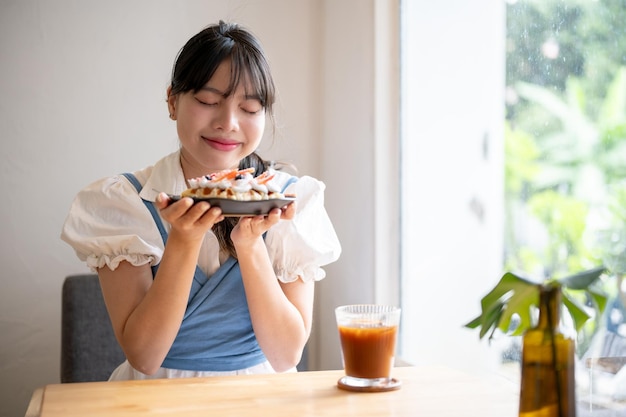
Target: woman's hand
{"x":188,"y":219}
{"x":249,"y":229}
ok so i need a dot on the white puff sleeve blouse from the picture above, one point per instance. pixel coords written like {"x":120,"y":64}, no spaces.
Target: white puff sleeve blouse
{"x":108,"y":223}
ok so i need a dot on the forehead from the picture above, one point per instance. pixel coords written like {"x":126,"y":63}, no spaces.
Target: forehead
{"x":228,"y":80}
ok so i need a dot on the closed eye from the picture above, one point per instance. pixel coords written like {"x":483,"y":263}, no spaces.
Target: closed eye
{"x":251,"y":105}
{"x":205,"y":103}
{"x":252,"y":111}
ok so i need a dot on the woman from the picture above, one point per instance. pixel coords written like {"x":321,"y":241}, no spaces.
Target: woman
{"x":190,"y":292}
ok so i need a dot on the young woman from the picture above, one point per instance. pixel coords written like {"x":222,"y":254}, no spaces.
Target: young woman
{"x":190,"y":292}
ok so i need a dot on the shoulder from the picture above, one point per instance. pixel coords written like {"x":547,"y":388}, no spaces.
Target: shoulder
{"x":109,"y":222}
{"x":112,"y":190}
{"x":110,"y":200}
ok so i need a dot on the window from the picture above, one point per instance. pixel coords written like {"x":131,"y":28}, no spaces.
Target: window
{"x":513,"y":142}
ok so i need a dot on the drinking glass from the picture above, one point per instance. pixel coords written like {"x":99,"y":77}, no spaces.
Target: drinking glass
{"x":368,"y":334}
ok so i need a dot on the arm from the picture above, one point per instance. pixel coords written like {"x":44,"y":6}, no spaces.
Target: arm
{"x":146,"y":314}
{"x":281,"y":313}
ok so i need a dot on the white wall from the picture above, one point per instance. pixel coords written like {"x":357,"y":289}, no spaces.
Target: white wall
{"x":452,"y":177}
{"x":358,"y":122}
{"x":82,"y":89}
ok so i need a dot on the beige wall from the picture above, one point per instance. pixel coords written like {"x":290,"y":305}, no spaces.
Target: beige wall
{"x":82,"y":96}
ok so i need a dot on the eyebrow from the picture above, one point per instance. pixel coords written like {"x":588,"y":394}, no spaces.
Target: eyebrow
{"x":223,"y":94}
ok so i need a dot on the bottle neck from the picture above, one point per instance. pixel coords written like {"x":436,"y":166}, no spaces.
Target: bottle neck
{"x":549,"y":306}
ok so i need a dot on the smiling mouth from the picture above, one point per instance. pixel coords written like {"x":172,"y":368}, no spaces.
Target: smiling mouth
{"x":221,"y":145}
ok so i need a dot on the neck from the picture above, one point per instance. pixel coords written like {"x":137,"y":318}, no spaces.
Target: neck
{"x":192,"y":169}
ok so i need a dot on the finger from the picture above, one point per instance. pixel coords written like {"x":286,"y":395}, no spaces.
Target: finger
{"x":202,"y":213}
{"x":244,"y":222}
{"x":275,"y":213}
{"x":289,"y":211}
{"x":211,"y":216}
{"x":175,"y":209}
{"x":162,"y":201}
{"x":272,"y":218}
{"x":259,"y":220}
{"x":198,"y":209}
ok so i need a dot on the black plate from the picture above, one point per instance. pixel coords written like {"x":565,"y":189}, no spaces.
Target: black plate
{"x":237,"y":208}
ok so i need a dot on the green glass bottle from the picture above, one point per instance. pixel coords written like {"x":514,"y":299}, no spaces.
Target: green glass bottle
{"x":547,"y":386}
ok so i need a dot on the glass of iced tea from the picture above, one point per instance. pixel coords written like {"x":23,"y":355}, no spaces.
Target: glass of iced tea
{"x":368,"y":335}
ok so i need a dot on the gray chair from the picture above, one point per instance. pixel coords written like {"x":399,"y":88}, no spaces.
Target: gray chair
{"x":89,"y":350}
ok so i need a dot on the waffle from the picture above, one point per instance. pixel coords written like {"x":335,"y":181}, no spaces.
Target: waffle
{"x":234,"y":184}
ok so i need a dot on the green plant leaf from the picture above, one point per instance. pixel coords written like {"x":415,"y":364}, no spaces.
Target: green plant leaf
{"x":517,"y":296}
{"x":491,"y":321}
{"x":524,"y":296}
{"x":599,"y":298}
{"x":582,"y":280}
{"x":576,"y":311}
{"x":511,"y":295}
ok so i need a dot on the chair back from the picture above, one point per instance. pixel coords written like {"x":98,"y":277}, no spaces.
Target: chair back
{"x":89,"y":350}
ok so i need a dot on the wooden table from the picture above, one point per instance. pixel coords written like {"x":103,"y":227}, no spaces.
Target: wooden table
{"x":425,"y":391}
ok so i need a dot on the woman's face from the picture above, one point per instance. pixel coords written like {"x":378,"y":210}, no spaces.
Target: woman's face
{"x":215,"y":131}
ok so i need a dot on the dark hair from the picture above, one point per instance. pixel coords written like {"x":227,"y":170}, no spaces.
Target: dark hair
{"x":196,"y":63}
{"x":198,"y":60}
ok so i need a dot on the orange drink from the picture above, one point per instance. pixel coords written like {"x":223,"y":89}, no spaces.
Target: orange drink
{"x":368,"y":335}
{"x":368,"y":352}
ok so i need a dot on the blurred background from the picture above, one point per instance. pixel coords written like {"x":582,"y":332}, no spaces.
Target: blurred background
{"x":456,"y":140}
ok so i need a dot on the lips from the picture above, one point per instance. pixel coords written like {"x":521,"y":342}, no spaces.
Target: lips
{"x":221,"y":144}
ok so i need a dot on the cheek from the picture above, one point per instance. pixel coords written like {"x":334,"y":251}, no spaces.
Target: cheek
{"x":188,"y":119}
{"x":254,"y":128}
{"x":260,"y":126}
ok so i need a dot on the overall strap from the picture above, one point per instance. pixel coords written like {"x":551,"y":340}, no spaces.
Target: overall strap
{"x":150,"y":205}
{"x":198,"y":274}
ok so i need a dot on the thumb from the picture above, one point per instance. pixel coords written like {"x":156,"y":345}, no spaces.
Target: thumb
{"x":162,"y":200}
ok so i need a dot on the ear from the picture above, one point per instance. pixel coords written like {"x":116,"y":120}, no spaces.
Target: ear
{"x":172,"y":101}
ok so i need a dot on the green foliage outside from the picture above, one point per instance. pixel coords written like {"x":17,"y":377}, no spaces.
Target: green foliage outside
{"x":565,"y":137}
{"x":565,"y":142}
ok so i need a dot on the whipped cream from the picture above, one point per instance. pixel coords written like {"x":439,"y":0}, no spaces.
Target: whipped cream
{"x":234,"y":184}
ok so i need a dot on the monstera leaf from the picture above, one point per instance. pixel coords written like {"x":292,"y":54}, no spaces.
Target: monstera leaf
{"x":517,"y":296}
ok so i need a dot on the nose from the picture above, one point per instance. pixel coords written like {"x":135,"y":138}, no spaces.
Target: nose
{"x":225,"y":118}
